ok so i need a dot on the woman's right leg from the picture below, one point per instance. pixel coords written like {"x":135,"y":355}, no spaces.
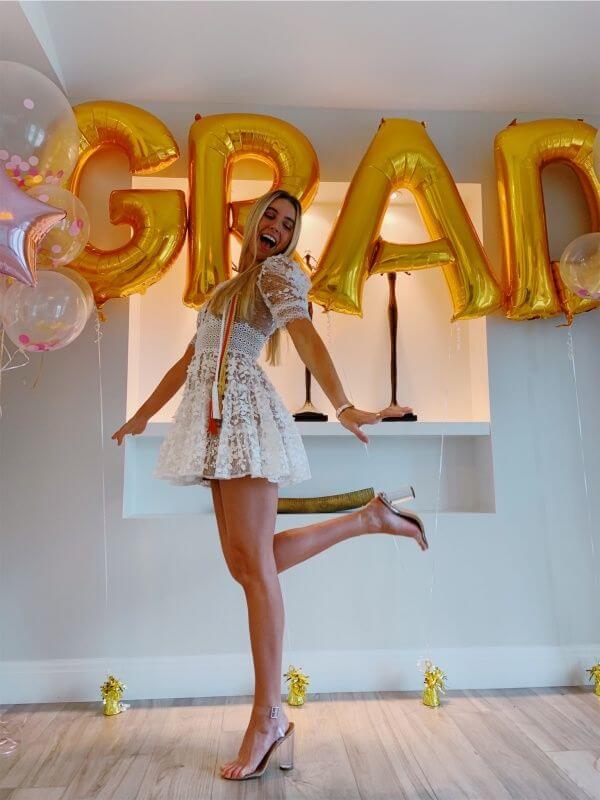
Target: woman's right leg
{"x":221,"y":524}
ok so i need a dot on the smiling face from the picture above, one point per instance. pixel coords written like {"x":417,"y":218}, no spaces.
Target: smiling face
{"x":275,"y":228}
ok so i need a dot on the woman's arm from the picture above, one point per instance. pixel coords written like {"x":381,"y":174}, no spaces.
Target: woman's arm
{"x":315,"y":356}
{"x":165,"y":390}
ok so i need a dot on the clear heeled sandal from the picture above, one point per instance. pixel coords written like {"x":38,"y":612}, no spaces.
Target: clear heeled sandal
{"x":284,"y":744}
{"x":394,"y":499}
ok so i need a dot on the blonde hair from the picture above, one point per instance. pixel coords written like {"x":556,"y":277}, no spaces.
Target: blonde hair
{"x":244,"y":283}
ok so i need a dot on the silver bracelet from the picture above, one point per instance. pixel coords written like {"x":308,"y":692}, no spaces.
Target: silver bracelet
{"x":343,"y":407}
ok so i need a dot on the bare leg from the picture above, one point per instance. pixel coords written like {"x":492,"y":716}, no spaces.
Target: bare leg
{"x":249,"y":510}
{"x":294,"y":545}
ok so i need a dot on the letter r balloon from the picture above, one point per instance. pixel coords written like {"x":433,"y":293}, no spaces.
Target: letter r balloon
{"x":216,"y":143}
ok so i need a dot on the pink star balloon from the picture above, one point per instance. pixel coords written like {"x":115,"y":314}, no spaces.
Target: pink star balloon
{"x":24,"y":221}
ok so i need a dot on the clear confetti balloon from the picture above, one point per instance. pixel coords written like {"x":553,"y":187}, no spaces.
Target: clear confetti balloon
{"x":51,"y":314}
{"x":63,"y":243}
{"x":580,"y":266}
{"x":39,"y":136}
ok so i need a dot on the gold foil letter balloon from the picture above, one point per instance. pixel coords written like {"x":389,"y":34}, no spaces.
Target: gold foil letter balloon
{"x":532,"y":282}
{"x":215,"y":144}
{"x":157,"y":217}
{"x":401,"y":155}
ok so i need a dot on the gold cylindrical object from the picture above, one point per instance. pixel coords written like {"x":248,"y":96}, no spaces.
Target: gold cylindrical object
{"x":327,"y":504}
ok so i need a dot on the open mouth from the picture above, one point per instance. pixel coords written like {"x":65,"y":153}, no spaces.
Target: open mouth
{"x":267,"y":241}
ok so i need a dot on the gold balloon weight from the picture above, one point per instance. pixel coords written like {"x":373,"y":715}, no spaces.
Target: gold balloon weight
{"x":112,"y":691}
{"x":10,"y":738}
{"x":298,"y":683}
{"x":595,"y":675}
{"x":434,"y":682}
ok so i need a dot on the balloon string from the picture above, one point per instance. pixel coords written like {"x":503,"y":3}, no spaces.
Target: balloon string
{"x":571,"y":352}
{"x":99,"y":335}
{"x":539,"y":467}
{"x":9,"y":741}
{"x":328,"y":328}
{"x":2,"y":367}
{"x":429,"y":621}
{"x":7,"y":365}
{"x":2,"y":516}
{"x":286,"y":626}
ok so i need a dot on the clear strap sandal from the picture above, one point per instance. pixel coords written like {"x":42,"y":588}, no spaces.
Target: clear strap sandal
{"x":402,"y":495}
{"x":285,"y":744}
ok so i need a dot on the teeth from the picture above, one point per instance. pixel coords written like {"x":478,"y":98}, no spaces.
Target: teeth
{"x":270,"y":238}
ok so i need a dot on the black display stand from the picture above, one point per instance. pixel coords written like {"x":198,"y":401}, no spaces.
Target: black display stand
{"x":393,"y":413}
{"x":308,"y":413}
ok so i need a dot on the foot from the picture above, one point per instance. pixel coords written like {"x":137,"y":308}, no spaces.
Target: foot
{"x":260,"y":734}
{"x":379,"y":519}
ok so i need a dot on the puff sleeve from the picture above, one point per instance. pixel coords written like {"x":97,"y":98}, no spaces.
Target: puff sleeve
{"x":284,"y":286}
{"x":198,"y":320}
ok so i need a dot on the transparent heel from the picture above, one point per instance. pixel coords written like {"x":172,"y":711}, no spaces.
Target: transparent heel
{"x":394,"y":499}
{"x":286,"y":753}
{"x":400,"y":495}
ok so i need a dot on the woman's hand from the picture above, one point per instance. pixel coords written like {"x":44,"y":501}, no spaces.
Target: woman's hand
{"x":353,"y":418}
{"x":133,"y":426}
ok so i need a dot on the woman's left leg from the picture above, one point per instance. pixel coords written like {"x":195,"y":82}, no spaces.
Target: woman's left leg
{"x":250,"y":510}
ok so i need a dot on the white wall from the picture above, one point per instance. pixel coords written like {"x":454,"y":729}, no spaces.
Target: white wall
{"x":432,"y":353}
{"x":502,"y":599}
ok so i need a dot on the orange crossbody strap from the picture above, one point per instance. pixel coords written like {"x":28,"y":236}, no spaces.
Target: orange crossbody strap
{"x":218,"y":386}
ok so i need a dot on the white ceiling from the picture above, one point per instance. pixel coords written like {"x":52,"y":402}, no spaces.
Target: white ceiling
{"x":486,"y":56}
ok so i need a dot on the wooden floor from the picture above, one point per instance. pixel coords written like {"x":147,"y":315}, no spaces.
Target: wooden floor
{"x":483,"y":745}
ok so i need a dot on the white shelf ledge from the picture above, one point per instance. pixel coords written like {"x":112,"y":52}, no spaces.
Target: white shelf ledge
{"x":334,"y":428}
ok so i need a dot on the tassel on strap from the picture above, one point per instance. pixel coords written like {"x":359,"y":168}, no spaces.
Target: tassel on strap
{"x":218,"y":385}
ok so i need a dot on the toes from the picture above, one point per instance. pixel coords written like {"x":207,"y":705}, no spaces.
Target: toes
{"x":233,"y":769}
{"x":227,"y":768}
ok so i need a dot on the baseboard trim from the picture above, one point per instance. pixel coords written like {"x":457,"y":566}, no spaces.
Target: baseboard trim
{"x":231,"y":674}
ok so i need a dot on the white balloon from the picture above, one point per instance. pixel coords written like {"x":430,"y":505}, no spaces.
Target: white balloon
{"x":580,"y":266}
{"x":39,"y":136}
{"x":48,"y":316}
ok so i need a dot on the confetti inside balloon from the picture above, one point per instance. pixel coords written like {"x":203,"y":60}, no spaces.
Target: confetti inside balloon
{"x":51,"y":314}
{"x":66,"y":240}
{"x":37,"y":127}
{"x":580,"y":266}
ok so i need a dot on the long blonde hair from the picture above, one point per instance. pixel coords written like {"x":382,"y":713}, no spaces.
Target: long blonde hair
{"x":244,"y":283}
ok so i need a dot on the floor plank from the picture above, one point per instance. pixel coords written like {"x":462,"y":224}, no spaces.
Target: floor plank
{"x":583,"y":768}
{"x":522,"y":744}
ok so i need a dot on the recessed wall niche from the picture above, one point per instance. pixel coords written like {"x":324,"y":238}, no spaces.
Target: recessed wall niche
{"x":442,"y":375}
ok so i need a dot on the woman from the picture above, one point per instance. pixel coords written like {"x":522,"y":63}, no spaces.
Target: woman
{"x":233,"y":434}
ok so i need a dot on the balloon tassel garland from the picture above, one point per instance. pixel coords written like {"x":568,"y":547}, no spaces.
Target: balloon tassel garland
{"x":218,"y":387}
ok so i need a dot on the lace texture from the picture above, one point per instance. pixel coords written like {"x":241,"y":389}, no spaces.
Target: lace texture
{"x":258,"y":435}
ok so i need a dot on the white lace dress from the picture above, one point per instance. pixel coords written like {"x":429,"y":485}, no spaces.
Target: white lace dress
{"x":258,"y":435}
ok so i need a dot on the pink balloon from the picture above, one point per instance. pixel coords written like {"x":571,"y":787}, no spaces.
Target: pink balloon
{"x":24,"y":221}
